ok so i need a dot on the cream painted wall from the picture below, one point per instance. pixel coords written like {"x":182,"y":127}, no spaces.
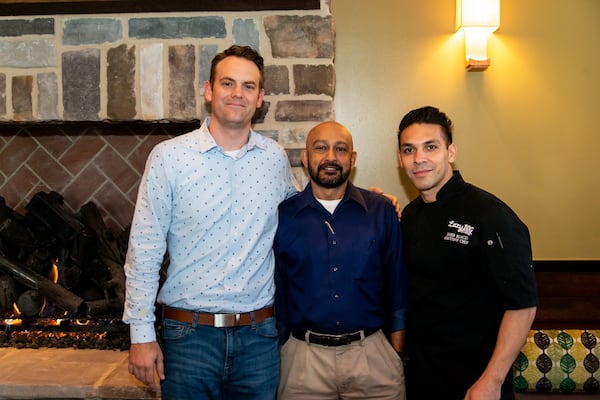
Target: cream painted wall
{"x":527,"y":129}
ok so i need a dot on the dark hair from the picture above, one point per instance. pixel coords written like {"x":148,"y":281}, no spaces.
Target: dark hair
{"x":427,"y":115}
{"x":246,"y":52}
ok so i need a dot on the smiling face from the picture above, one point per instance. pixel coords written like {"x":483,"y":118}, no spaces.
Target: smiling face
{"x":235,"y":93}
{"x":426,"y":158}
{"x":329,"y":158}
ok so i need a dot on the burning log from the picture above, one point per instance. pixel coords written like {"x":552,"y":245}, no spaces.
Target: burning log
{"x":106,"y":250}
{"x":47,"y":209}
{"x":56,"y":293}
{"x":8,"y":292}
{"x":84,"y":258}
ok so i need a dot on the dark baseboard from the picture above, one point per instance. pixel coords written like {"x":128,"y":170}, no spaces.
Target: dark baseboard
{"x":566,"y":265}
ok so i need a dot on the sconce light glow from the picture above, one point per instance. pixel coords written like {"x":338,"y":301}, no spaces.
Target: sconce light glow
{"x":477,"y":18}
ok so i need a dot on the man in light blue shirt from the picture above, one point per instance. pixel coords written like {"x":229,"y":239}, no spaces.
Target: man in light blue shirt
{"x":209,"y":198}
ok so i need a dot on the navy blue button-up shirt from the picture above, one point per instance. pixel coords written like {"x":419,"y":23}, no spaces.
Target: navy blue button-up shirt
{"x":341,"y":272}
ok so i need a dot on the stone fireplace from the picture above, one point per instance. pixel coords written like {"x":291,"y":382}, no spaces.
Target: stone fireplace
{"x":85,"y":97}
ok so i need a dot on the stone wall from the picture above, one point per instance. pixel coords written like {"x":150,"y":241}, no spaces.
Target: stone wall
{"x":82,"y":85}
{"x":126,"y":67}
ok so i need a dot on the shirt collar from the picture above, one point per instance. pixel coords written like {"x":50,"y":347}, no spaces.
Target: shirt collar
{"x":307,"y":199}
{"x":207,"y":141}
{"x":455,"y":185}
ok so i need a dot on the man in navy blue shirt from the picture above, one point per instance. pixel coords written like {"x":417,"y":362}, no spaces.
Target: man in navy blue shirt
{"x":340,"y":281}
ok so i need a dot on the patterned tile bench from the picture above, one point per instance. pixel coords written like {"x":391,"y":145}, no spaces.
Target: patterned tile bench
{"x":565,"y":361}
{"x":560,"y":359}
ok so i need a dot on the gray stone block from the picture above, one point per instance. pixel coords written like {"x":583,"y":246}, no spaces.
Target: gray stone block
{"x":277,"y":79}
{"x":151,"y":81}
{"x":20,"y":27}
{"x":314,"y":79}
{"x":21,"y":97}
{"x":91,"y":31}
{"x":81,"y":85}
{"x":121,"y":83}
{"x":307,"y":36}
{"x":245,"y":33}
{"x":303,"y":110}
{"x":177,"y":27}
{"x":261,"y":113}
{"x":294,"y":157}
{"x":47,"y":96}
{"x":207,"y":53}
{"x":28,"y":54}
{"x":182,"y":96}
{"x":273,"y":134}
{"x":293,"y":137}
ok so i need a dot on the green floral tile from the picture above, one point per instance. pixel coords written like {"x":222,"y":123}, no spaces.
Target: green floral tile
{"x":559,"y":361}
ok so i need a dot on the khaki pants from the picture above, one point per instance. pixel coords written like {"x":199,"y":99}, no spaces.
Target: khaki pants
{"x":365,"y":369}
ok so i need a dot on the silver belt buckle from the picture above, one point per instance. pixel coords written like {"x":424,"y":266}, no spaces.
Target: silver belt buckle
{"x":226,"y":320}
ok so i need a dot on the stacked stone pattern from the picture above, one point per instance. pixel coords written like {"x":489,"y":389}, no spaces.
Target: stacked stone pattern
{"x":133,"y":67}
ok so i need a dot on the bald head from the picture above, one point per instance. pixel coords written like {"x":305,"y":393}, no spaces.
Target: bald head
{"x":330,"y":129}
{"x":329,"y":157}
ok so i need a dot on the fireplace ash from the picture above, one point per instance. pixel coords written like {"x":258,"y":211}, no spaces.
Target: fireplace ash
{"x":99,"y":334}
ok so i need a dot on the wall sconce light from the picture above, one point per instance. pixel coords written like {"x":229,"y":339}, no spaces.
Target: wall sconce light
{"x":477,"y":18}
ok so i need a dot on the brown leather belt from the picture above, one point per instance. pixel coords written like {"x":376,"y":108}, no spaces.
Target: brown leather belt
{"x":217,"y":320}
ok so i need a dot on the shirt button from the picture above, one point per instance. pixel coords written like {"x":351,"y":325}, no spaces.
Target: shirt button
{"x":335,"y":269}
{"x":336,"y":296}
{"x":334,"y":242}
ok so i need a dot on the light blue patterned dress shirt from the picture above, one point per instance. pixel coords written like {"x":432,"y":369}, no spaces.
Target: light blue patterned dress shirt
{"x":216,"y":216}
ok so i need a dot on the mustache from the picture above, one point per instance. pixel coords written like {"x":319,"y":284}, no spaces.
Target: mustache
{"x":330,"y":165}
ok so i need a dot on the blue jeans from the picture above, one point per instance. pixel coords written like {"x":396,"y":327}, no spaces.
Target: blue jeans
{"x":203,"y":362}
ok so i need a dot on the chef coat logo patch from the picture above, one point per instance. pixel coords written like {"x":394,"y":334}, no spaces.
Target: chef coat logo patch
{"x":459,"y":233}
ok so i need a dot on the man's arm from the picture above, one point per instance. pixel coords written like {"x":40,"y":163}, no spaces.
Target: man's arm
{"x":512,"y":335}
{"x":146,"y":250}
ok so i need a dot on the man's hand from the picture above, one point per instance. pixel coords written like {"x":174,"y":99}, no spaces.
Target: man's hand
{"x":144,"y":359}
{"x":397,"y":340}
{"x":392,"y":198}
{"x":482,"y":390}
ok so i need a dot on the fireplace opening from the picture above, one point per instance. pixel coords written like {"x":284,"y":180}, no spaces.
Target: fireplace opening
{"x":61,"y":277}
{"x":67,"y":195}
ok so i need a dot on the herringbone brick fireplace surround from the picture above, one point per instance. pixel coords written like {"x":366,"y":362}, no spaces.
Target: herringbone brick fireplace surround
{"x":98,"y":163}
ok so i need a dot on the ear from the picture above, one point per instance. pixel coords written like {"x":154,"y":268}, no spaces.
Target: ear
{"x":207,"y":91}
{"x":400,"y":158}
{"x":261,"y":97}
{"x":304,"y":157}
{"x":353,"y":159}
{"x":452,"y":152}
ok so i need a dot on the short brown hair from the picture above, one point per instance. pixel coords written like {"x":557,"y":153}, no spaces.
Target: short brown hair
{"x":246,"y":52}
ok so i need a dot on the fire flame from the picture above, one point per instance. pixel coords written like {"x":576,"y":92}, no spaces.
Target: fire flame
{"x":53,"y":274}
{"x":14,"y":321}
